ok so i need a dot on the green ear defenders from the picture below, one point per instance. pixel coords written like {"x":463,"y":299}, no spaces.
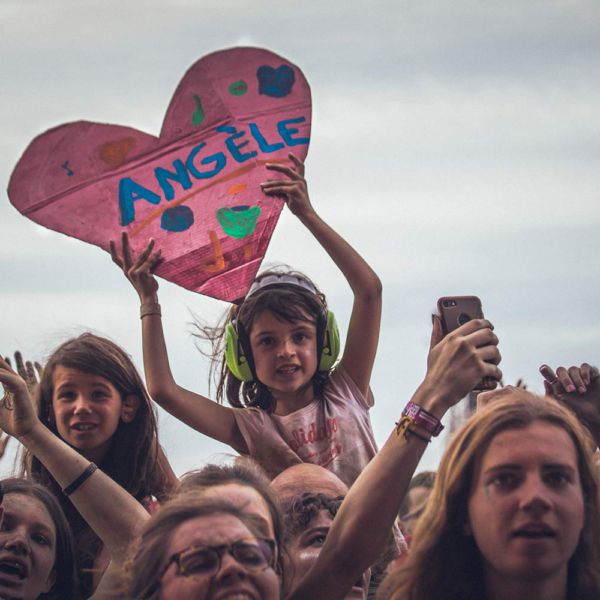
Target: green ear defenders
{"x":242,"y":366}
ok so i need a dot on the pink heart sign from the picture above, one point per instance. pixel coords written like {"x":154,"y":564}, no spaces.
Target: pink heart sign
{"x":196,"y":188}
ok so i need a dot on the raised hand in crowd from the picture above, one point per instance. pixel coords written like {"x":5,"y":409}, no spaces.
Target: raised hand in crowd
{"x":579,"y":389}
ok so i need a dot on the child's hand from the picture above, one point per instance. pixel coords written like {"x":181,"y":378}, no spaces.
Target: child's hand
{"x":30,"y":372}
{"x":293,"y":189}
{"x":140,"y":272}
{"x":17,"y":413}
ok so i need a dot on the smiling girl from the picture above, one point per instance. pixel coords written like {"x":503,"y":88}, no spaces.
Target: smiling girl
{"x":289,"y":403}
{"x":92,"y":397}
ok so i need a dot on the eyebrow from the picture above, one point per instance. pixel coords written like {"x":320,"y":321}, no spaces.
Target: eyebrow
{"x":36,"y":525}
{"x":517,"y":467}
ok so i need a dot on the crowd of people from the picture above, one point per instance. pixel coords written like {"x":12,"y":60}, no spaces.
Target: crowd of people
{"x":311,"y":508}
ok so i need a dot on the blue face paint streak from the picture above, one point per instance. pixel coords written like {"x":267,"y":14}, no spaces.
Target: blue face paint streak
{"x":178,"y":218}
{"x":276,"y":83}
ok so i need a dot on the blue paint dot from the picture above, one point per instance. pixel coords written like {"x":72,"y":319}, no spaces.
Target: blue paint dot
{"x":276,"y":83}
{"x":178,"y":218}
{"x":240,"y":208}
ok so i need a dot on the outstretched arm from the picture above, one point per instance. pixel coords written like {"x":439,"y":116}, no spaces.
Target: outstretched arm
{"x":111,"y":512}
{"x":197,"y":411}
{"x":454,"y":366}
{"x":363,"y":330}
{"x":579,"y":389}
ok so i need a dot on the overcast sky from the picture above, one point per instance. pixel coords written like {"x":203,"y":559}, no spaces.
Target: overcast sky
{"x":455,"y":144}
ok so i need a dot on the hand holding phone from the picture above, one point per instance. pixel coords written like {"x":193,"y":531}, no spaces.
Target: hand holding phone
{"x":456,"y":311}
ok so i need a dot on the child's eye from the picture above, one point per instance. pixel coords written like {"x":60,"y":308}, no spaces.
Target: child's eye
{"x":99,"y":394}
{"x":66,"y":396}
{"x":40,"y":539}
{"x":300,"y":337}
{"x":265,"y":341}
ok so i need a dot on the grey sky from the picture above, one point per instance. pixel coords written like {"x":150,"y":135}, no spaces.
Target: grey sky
{"x":455,"y":144}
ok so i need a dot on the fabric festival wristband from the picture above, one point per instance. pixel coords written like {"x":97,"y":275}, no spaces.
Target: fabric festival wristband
{"x":151,"y":308}
{"x":74,"y":485}
{"x":422,"y":418}
{"x":403,"y":429}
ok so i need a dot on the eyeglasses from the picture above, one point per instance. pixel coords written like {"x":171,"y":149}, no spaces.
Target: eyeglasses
{"x":255,"y":554}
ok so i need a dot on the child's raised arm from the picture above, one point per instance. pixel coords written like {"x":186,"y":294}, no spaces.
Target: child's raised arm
{"x":197,"y":411}
{"x":363,"y":330}
{"x":111,"y":512}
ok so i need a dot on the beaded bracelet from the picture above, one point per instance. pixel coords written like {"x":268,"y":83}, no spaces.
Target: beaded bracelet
{"x":74,"y":485}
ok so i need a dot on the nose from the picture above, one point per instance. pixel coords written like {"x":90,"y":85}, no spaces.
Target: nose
{"x":230,"y":569}
{"x":82,"y":405}
{"x":287,"y":348}
{"x":17,"y":543}
{"x":535,"y":498}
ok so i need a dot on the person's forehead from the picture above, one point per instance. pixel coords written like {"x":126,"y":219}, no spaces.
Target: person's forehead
{"x":28,"y":509}
{"x":540,"y":442}
{"x":65,"y":375}
{"x":209,"y":530}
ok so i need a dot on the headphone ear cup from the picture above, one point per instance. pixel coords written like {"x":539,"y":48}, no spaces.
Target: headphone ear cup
{"x":234,"y":355}
{"x":331,"y":344}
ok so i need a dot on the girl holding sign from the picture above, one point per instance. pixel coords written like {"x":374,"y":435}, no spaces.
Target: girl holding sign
{"x":289,"y":404}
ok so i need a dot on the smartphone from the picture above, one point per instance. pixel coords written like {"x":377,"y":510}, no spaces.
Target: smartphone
{"x":456,"y":311}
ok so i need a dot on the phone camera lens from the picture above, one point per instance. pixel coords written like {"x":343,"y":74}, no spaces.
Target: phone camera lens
{"x":463,"y":318}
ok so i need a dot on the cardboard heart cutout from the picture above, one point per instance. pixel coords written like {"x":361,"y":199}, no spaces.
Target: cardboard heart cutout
{"x":196,"y":188}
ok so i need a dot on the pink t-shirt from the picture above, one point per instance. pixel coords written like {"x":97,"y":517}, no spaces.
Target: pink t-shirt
{"x":333,"y":431}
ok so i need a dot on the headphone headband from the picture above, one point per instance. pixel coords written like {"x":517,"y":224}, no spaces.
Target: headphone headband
{"x":280,"y":279}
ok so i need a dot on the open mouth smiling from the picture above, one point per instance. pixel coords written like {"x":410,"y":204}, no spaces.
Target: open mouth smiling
{"x":83,"y":426}
{"x":14,"y":568}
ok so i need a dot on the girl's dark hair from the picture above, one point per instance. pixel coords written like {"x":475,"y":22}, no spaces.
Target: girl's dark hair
{"x":134,"y":459}
{"x":65,"y":585}
{"x":445,"y":563}
{"x":287,"y":302}
{"x":147,"y":563}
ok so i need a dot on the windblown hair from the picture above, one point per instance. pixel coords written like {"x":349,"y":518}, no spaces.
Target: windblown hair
{"x":65,"y":585}
{"x":287,"y":302}
{"x":444,"y":562}
{"x":244,"y":471}
{"x":134,"y":459}
{"x":146,"y":566}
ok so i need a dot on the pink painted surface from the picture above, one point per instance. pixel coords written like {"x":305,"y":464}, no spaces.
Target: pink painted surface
{"x":92,"y":181}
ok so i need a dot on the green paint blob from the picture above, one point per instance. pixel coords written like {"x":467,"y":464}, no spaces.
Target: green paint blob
{"x":238,"y":223}
{"x":198,"y":115}
{"x":238,"y":88}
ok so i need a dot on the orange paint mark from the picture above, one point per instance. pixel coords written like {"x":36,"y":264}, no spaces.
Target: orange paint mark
{"x":156,"y":214}
{"x":115,"y":153}
{"x":236,"y":188}
{"x":214,"y":266}
{"x":247,"y":251}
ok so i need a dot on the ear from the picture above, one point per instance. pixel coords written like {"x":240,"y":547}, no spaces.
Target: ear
{"x":129,"y":408}
{"x":50,"y":581}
